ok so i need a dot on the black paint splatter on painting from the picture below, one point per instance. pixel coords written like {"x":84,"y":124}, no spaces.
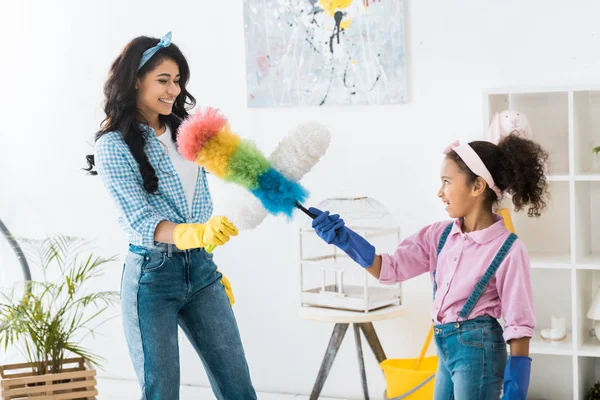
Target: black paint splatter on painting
{"x":353,"y":91}
{"x":336,"y":31}
{"x":328,"y":85}
{"x":292,"y":19}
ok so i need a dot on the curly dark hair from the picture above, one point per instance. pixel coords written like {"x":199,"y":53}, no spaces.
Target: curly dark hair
{"x":120,"y":102}
{"x":518,"y":167}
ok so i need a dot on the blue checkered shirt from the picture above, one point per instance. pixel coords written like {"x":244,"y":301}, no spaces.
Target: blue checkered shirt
{"x":140,"y":212}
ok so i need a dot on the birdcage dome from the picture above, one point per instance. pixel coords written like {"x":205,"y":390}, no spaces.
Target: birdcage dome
{"x":363,"y":213}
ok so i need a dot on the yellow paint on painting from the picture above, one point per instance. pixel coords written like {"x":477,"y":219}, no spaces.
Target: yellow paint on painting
{"x":354,"y":62}
{"x":331,"y":6}
{"x":345,"y":23}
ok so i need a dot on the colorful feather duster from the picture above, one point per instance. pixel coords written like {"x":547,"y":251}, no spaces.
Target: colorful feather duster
{"x":206,"y":138}
{"x":294,"y":156}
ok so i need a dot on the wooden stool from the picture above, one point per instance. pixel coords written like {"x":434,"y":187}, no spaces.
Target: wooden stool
{"x":343,"y":319}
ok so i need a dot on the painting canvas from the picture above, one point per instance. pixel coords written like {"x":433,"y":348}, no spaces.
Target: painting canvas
{"x":324,"y":52}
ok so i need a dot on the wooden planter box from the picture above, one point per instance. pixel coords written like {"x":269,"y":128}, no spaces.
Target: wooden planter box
{"x":77,"y":381}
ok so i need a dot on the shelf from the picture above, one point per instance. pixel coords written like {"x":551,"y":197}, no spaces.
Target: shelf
{"x":588,"y":374}
{"x":564,"y":243}
{"x":586,"y":125}
{"x":591,"y":261}
{"x":558,"y":304}
{"x":587,"y":223}
{"x":562,"y":348}
{"x":550,"y":260}
{"x":558,"y":178}
{"x":590,"y":348}
{"x":551,"y":378}
{"x":537,"y":89}
{"x":590,"y":177}
{"x":551,"y":133}
{"x":581,"y":177}
{"x":549,"y":235}
{"x":586,"y":282}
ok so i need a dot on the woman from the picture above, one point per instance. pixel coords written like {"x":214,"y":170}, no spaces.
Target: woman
{"x":165,"y":207}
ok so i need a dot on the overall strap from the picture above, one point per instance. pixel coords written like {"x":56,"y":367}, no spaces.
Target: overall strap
{"x":439,"y":249}
{"x":487,"y":277}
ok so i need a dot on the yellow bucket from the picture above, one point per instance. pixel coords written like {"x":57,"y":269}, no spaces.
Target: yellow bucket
{"x":411,"y":378}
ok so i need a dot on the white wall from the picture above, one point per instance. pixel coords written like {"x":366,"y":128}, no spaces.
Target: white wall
{"x":55,"y":57}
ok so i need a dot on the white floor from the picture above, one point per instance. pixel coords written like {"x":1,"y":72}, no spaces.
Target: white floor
{"x":110,"y":389}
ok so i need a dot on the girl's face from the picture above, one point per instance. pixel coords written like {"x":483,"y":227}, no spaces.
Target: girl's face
{"x":459,"y":197}
{"x":158,"y":89}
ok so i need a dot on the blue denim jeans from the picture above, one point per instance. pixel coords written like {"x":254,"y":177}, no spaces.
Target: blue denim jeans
{"x":472,"y":357}
{"x":163,"y":288}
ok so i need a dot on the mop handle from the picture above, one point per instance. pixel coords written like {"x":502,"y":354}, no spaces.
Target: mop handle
{"x":425,"y":347}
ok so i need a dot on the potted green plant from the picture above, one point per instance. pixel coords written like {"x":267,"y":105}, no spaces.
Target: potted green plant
{"x":47,"y":324}
{"x":593,"y":392}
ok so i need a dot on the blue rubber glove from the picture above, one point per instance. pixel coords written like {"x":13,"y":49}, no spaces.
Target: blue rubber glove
{"x":516,"y":378}
{"x":331,"y":229}
{"x":327,"y":226}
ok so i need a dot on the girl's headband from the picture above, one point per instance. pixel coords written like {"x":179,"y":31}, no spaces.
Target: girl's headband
{"x":474,"y":163}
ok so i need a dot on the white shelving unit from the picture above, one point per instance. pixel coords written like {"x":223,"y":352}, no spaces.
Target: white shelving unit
{"x":564,"y":243}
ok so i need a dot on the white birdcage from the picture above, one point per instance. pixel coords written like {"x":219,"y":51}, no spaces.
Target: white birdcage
{"x":329,"y":278}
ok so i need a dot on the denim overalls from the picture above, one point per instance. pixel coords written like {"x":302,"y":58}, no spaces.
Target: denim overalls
{"x":472,"y":352}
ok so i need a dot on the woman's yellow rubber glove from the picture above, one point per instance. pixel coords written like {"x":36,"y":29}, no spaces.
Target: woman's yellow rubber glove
{"x":228,"y":289}
{"x":215,"y":232}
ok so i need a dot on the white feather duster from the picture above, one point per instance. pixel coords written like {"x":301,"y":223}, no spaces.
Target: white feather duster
{"x":293,"y":157}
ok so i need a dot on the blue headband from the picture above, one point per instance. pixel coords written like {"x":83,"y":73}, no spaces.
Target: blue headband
{"x":165,"y":41}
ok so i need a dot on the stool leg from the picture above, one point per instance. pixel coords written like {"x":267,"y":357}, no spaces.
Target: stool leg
{"x":334,"y":345}
{"x":374,"y":343}
{"x":361,"y":361}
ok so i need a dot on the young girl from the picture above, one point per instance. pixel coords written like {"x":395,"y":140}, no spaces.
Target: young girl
{"x":480,"y":270}
{"x":165,"y":207}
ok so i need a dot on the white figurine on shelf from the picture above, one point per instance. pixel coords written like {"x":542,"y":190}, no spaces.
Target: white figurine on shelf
{"x":507,"y":122}
{"x":557,"y":331}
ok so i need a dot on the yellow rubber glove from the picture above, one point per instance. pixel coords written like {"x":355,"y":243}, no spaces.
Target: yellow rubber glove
{"x":215,"y":232}
{"x":505,"y":213}
{"x":228,"y":289}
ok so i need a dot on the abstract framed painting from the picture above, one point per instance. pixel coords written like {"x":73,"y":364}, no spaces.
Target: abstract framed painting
{"x":324,"y":52}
